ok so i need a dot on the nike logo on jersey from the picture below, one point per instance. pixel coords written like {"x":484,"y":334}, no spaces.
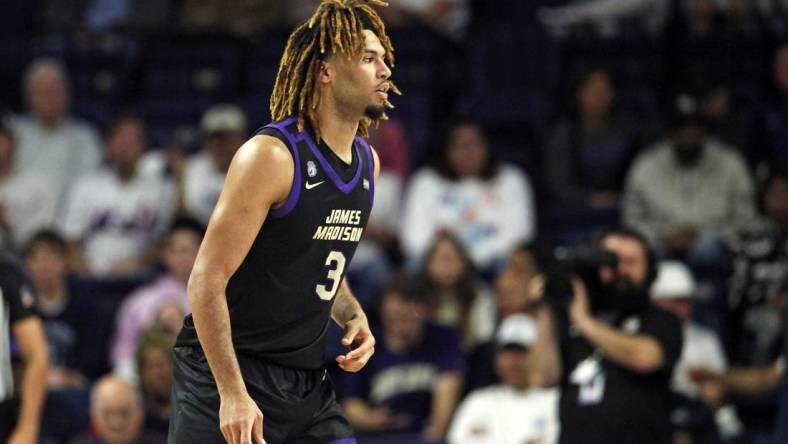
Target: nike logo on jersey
{"x":309,"y":186}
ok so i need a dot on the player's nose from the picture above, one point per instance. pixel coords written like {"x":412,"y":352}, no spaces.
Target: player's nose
{"x":384,"y":72}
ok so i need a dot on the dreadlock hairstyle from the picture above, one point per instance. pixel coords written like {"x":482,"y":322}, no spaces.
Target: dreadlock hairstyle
{"x":336,"y":27}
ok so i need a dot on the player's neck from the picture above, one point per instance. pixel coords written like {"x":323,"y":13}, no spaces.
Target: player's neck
{"x":337,"y":130}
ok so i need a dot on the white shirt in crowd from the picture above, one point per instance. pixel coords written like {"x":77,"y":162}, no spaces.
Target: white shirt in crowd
{"x":29,"y":204}
{"x":503,"y":415}
{"x":490,"y":217}
{"x":62,"y":154}
{"x":702,"y":349}
{"x":385,"y":214}
{"x":117,"y":221}
{"x":202,"y":184}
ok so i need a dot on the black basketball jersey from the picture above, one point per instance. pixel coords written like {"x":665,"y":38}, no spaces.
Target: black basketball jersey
{"x":280,"y":297}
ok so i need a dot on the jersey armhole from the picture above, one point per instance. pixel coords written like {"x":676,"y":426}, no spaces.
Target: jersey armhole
{"x":371,"y":168}
{"x":295,"y":188}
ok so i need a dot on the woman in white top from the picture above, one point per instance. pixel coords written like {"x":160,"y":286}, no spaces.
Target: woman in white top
{"x":486,"y":203}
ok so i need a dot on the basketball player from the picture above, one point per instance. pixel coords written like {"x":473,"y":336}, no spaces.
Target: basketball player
{"x":270,"y":271}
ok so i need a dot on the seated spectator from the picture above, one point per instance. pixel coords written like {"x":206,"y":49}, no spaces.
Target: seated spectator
{"x":413,"y":384}
{"x":743,"y":382}
{"x":28,"y":201}
{"x":674,"y":291}
{"x":760,"y":268}
{"x":224,"y":130}
{"x":116,"y":414}
{"x":588,"y":153}
{"x":51,"y":143}
{"x":458,"y":297}
{"x":140,"y":310}
{"x":755,"y":321}
{"x":690,"y":194}
{"x":77,"y":354}
{"x":154,"y":365}
{"x":115,"y":216}
{"x":514,"y":411}
{"x":487,"y":204}
{"x":513,"y":295}
{"x":513,"y":283}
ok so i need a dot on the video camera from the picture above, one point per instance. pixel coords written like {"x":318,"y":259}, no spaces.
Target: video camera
{"x":583,"y":262}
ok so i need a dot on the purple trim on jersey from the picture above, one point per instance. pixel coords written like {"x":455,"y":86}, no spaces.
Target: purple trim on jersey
{"x":344,"y":187}
{"x":371,"y":161}
{"x":345,"y":441}
{"x":295,"y":191}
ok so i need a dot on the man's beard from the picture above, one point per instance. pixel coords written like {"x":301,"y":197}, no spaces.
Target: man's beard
{"x":374,"y":112}
{"x":625,"y":297}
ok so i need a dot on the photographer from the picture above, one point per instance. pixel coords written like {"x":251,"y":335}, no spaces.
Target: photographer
{"x":611,"y":352}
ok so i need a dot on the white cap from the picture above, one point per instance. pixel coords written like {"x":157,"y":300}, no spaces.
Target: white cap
{"x":674,"y":281}
{"x":516,"y":329}
{"x":222,"y":118}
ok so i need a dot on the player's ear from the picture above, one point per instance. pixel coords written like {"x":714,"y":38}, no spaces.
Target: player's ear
{"x":325,"y":71}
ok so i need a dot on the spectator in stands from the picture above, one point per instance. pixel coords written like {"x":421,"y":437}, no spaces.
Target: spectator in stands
{"x":514,"y":411}
{"x":689,"y":194}
{"x":607,"y":16}
{"x":140,"y":310}
{"x":50,"y":142}
{"x":115,"y":216}
{"x":20,"y":407}
{"x":458,"y":297}
{"x":612,"y":352}
{"x":772,"y":148}
{"x":512,"y":296}
{"x":486,"y":203}
{"x":512,"y":284}
{"x":413,"y":384}
{"x":116,"y":413}
{"x":154,"y":365}
{"x":224,"y":130}
{"x":588,"y":153}
{"x":757,"y":381}
{"x":27,"y":200}
{"x":70,"y":318}
{"x":674,"y":291}
{"x":754,"y":318}
{"x":760,"y":268}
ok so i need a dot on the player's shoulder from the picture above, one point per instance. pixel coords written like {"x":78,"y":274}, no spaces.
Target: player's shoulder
{"x":264,"y":151}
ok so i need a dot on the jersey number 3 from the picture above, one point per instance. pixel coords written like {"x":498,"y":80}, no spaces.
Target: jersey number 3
{"x":336,"y":263}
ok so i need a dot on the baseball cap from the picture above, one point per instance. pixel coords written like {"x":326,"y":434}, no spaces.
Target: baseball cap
{"x":517,"y":330}
{"x":674,"y":281}
{"x":223,"y":118}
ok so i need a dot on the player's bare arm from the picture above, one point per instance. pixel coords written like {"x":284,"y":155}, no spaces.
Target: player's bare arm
{"x":29,"y":333}
{"x":348,"y":314}
{"x":259,"y":178}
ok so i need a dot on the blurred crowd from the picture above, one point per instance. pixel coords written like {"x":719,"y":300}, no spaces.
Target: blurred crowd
{"x":531,"y":135}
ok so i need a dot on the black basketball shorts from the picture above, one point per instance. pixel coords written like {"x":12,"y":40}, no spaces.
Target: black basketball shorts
{"x":299,"y":406}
